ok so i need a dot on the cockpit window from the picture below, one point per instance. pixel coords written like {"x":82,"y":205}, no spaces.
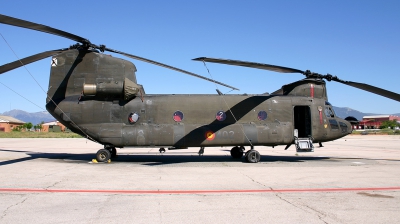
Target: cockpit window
{"x":329,"y":112}
{"x":334,"y":124}
{"x":327,"y":103}
{"x":343,"y":127}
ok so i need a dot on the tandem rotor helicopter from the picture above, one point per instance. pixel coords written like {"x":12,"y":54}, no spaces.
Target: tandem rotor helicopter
{"x":98,"y":97}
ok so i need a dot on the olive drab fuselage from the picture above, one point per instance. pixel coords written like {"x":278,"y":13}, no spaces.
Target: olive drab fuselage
{"x":97,"y":95}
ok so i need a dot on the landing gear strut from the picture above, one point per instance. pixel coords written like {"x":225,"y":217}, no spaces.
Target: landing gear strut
{"x":113,"y":152}
{"x":201,"y":151}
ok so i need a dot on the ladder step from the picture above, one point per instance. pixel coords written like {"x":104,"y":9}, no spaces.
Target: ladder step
{"x":304,"y":145}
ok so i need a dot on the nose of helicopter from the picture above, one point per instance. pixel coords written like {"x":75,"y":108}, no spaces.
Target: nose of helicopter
{"x":349,"y":128}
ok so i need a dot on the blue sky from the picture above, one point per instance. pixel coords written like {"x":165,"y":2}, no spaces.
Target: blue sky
{"x":355,"y":40}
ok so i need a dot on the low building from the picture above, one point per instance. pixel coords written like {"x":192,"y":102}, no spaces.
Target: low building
{"x":375,"y":122}
{"x":53,"y":126}
{"x":7,"y":123}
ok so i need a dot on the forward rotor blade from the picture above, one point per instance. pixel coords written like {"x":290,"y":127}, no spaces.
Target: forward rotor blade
{"x":372,"y":89}
{"x":39,"y":27}
{"x":167,"y":66}
{"x":366,"y":87}
{"x":30,"y":59}
{"x":274,"y":68}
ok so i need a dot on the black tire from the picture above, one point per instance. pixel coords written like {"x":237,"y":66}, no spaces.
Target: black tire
{"x":103,"y":155}
{"x":253,"y":156}
{"x":236,"y":152}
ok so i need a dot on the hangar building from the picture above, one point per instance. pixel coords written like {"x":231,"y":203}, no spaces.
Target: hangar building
{"x":374,"y":122}
{"x":7,"y":123}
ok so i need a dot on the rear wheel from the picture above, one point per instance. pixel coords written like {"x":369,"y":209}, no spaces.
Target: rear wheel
{"x":253,"y":156}
{"x":103,"y":155}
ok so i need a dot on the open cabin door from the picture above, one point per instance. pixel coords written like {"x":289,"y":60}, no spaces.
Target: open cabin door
{"x":302,"y":129}
{"x":302,"y":121}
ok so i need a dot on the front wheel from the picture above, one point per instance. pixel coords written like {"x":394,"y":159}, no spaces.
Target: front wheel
{"x":237,"y":152}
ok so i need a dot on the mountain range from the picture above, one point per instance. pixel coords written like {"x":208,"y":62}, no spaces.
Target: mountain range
{"x":344,"y":112}
{"x":38,"y":117}
{"x":34,"y":118}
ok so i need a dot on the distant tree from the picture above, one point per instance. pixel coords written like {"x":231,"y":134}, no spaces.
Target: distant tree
{"x":389,"y":124}
{"x":28,"y":126}
{"x":17,"y":128}
{"x":38,"y":127}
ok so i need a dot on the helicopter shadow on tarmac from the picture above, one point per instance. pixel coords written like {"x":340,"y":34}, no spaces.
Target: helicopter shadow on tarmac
{"x":153,"y":159}
{"x":30,"y":155}
{"x":156,"y":160}
{"x":150,"y":159}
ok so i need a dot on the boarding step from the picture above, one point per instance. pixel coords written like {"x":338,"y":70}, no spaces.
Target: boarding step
{"x":303,"y":144}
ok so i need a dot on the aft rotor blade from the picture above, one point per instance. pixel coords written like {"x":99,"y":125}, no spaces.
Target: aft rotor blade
{"x":274,"y":68}
{"x":167,"y":66}
{"x":372,"y":89}
{"x":30,"y":59}
{"x":39,"y":27}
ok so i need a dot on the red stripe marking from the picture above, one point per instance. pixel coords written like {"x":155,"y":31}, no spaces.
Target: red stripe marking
{"x":32,"y":190}
{"x":320,"y":117}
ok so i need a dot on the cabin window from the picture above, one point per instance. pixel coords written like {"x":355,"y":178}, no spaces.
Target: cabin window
{"x":221,"y":115}
{"x":178,"y":116}
{"x":262,"y":115}
{"x":133,"y":118}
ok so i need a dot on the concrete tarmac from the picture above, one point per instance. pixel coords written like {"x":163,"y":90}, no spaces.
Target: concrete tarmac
{"x":355,"y":179}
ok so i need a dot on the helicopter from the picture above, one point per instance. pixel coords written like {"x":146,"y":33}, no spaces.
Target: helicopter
{"x":97,"y":96}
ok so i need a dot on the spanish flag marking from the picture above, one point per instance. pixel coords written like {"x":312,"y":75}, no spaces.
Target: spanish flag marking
{"x":210,"y":135}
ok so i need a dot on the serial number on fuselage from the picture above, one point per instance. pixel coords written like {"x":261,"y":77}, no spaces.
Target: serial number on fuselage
{"x":225,"y":134}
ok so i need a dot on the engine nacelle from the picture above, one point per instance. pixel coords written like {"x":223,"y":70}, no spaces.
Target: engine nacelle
{"x":126,"y":89}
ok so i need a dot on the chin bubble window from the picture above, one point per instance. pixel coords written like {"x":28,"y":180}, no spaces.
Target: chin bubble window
{"x":262,"y":115}
{"x":221,"y":115}
{"x":178,"y":116}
